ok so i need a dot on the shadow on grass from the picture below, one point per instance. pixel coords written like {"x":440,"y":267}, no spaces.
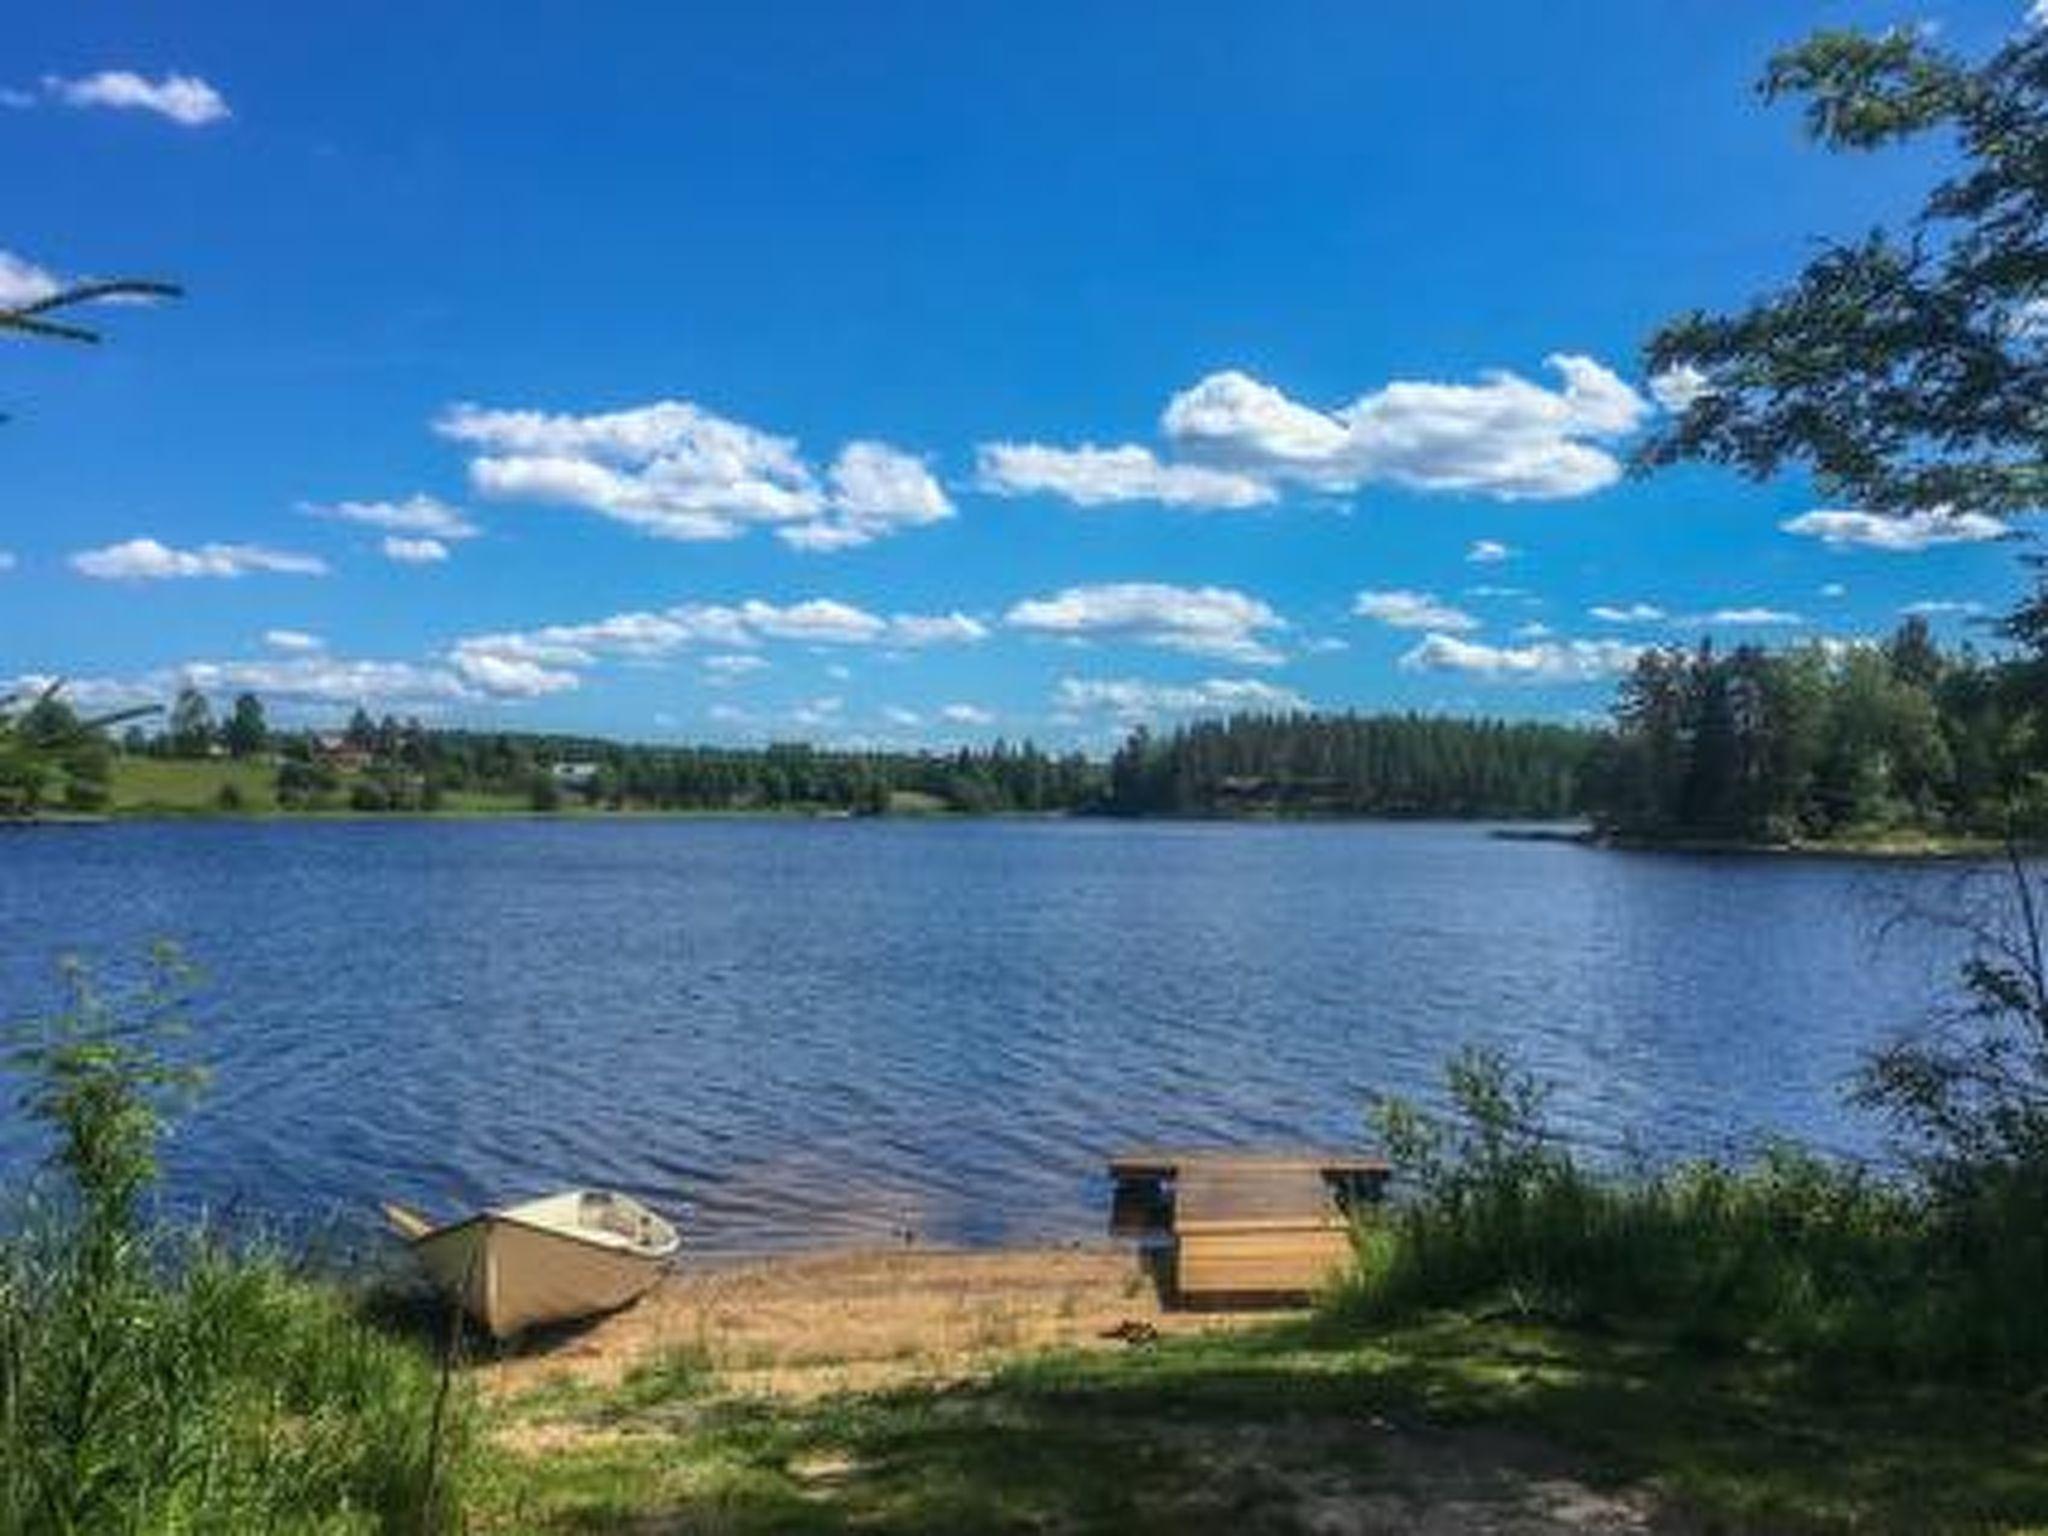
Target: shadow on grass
{"x":1277,"y":1430}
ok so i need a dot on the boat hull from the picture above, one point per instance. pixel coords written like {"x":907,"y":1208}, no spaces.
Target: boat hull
{"x":511,"y":1276}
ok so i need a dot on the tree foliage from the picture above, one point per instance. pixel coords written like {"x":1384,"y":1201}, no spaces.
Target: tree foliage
{"x":1907,"y":369}
{"x":1355,"y":765}
{"x":1817,"y":741}
{"x":48,"y":754}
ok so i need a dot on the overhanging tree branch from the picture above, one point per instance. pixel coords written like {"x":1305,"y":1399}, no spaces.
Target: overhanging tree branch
{"x":30,"y":317}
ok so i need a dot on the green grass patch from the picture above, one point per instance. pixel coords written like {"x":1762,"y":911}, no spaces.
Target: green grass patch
{"x":1266,"y":1431}
{"x":915,"y":802}
{"x":482,"y":802}
{"x":163,"y":786}
{"x":153,"y":1381}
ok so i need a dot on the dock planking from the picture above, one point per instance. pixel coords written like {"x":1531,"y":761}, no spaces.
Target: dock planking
{"x":1244,"y":1226}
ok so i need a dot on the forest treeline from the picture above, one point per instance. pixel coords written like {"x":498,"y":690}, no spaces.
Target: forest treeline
{"x":1822,"y":741}
{"x":1807,"y":744}
{"x":1351,"y":765}
{"x":1279,"y":764}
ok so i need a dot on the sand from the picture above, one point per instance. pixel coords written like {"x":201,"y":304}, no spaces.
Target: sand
{"x":805,"y":1325}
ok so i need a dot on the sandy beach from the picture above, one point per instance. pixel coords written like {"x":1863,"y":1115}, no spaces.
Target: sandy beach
{"x":803,"y":1325}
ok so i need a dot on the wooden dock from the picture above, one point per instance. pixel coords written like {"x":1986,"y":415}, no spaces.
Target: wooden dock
{"x":1237,"y":1227}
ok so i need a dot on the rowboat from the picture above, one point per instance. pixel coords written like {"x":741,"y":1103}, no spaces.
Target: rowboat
{"x":564,"y":1256}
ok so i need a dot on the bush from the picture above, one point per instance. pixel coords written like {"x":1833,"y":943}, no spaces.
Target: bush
{"x":305,"y":785}
{"x":543,"y":794}
{"x":152,"y":1380}
{"x":371,"y":795}
{"x":1792,"y":1254}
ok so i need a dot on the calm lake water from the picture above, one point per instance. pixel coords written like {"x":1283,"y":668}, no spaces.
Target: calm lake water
{"x":803,"y":1033}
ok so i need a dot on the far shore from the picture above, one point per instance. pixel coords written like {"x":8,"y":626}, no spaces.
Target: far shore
{"x":1902,"y":846}
{"x":1895,"y":847}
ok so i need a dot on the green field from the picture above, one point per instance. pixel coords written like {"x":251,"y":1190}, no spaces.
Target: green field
{"x":152,"y":786}
{"x":160,"y":786}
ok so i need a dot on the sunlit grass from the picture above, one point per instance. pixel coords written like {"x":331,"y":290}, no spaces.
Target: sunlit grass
{"x":167,"y":786}
{"x":1250,"y":1429}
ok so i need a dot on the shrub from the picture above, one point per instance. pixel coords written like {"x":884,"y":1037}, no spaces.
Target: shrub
{"x":157,"y":1380}
{"x":1818,"y":1261}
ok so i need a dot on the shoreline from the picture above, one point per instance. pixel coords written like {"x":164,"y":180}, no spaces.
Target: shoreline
{"x":1904,"y":849}
{"x":1907,"y":849}
{"x":809,"y":1323}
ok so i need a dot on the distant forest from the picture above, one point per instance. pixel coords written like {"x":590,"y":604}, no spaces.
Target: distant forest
{"x":1821,"y":742}
{"x":1351,"y":765}
{"x":1299,"y":764}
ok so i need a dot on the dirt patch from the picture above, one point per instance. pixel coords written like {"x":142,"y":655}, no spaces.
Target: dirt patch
{"x":805,"y":1326}
{"x":1375,"y":1478}
{"x":1466,"y":1480}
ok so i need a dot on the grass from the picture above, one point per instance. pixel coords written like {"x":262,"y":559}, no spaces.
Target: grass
{"x":1818,"y":1263}
{"x":154,"y":1381}
{"x":1267,"y":1430}
{"x":207,"y":1390}
{"x":1787,"y":1346}
{"x":149,"y":786}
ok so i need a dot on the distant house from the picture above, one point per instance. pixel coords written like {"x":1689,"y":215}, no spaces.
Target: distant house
{"x":339,"y":753}
{"x":575,"y":774}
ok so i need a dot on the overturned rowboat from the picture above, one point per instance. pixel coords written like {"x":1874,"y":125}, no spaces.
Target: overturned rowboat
{"x":561,"y":1257}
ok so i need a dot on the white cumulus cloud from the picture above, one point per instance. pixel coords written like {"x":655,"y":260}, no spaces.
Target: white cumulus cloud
{"x":1504,"y":437}
{"x":183,"y":99}
{"x":1627,"y":613}
{"x":1906,"y":533}
{"x":147,"y":560}
{"x":293,"y":641}
{"x":677,"y":471}
{"x":1132,"y":699}
{"x":552,"y":657}
{"x":1236,"y":441}
{"x":1199,"y":621}
{"x":876,"y":490}
{"x":413,"y":551}
{"x":304,"y":679}
{"x":730,"y":667}
{"x":416,"y":516}
{"x":1089,"y":476}
{"x":1400,"y":608}
{"x":317,"y":679}
{"x":1539,"y":661}
{"x":1489,"y":552}
{"x":23,"y":282}
{"x":1745,"y":617}
{"x":918,"y":630}
{"x":967,"y":714}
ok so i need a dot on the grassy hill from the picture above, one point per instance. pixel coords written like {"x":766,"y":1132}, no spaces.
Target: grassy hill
{"x":161,"y":786}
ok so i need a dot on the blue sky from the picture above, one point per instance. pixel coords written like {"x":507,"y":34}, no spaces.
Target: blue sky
{"x":906,"y":373}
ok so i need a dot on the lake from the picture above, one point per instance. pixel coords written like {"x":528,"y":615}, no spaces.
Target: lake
{"x":797,"y":1033}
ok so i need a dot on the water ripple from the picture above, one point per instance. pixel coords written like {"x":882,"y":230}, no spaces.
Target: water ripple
{"x":798,"y":1034}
